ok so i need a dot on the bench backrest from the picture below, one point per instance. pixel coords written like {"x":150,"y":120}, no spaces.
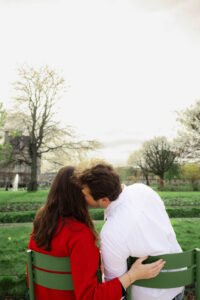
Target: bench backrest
{"x":185,"y":270}
{"x":48,"y":271}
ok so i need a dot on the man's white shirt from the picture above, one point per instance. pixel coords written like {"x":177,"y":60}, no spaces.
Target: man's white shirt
{"x":137,"y":224}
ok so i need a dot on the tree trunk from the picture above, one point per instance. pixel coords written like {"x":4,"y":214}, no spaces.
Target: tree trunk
{"x":33,"y":184}
{"x":161,"y":181}
{"x":147,"y":179}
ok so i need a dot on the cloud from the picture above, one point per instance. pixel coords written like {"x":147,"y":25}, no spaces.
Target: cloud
{"x":188,"y":14}
{"x":122,"y":142}
{"x":26,"y":1}
{"x":184,"y":12}
{"x":155,"y":5}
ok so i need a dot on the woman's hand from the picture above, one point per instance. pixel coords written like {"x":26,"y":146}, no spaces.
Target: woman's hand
{"x":145,"y":271}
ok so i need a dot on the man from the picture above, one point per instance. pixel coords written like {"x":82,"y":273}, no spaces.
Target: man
{"x":136,"y":224}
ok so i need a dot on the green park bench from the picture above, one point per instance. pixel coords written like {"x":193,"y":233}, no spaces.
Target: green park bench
{"x":49,"y":278}
{"x":185,"y":270}
{"x":187,"y":265}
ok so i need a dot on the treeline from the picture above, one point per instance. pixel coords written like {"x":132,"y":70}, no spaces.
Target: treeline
{"x":33,"y":118}
{"x":179,"y":177}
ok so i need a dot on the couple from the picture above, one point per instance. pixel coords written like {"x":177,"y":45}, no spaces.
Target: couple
{"x":136,"y":225}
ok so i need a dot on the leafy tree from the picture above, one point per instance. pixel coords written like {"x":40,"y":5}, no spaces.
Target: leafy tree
{"x":188,"y":139}
{"x":2,"y":115}
{"x":173,"y":172}
{"x":191,"y":172}
{"x":5,"y":154}
{"x":38,"y":90}
{"x":5,"y":148}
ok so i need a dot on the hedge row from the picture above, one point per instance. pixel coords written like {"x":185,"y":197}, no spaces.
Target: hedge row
{"x":173,"y":212}
{"x":20,"y":207}
{"x":13,"y":285}
{"x":181,"y":202}
{"x":17,"y":217}
{"x":97,"y":214}
{"x":183,"y":212}
{"x":31,"y":206}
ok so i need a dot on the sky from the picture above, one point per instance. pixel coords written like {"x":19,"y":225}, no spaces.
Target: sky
{"x":129,"y":65}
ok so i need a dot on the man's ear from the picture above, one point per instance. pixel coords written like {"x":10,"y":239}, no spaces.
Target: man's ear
{"x":104,"y":202}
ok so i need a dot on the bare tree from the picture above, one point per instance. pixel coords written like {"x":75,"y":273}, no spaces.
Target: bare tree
{"x":38,"y":90}
{"x":136,"y":159}
{"x":159,"y":156}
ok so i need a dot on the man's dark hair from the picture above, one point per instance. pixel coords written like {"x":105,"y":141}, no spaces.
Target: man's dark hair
{"x":102,"y":180}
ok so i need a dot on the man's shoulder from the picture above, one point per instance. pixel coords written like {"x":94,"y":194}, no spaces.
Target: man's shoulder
{"x":139,"y":189}
{"x":111,"y":227}
{"x":116,"y":225}
{"x":138,"y":186}
{"x":107,"y":227}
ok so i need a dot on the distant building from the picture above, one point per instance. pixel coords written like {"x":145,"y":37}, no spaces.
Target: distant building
{"x":46,"y":179}
{"x":18,"y":165}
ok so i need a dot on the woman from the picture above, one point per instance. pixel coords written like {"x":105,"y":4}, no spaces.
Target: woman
{"x":63,"y":228}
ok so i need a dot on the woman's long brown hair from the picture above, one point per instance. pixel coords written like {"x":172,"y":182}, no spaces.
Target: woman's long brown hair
{"x":65,"y":200}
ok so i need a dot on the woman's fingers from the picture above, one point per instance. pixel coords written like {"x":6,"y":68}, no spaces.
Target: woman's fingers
{"x":156,"y":267}
{"x":141,"y":259}
{"x":146,"y":271}
{"x":157,"y":264}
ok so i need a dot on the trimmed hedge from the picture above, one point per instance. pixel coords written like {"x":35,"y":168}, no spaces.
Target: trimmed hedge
{"x":183,"y":212}
{"x":97,"y":214}
{"x":20,"y":207}
{"x":13,"y":286}
{"x":181,"y":202}
{"x":17,"y":217}
{"x":173,"y":212}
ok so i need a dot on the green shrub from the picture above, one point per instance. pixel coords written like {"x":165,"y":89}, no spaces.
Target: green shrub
{"x":173,"y":212}
{"x":13,"y":286}
{"x":97,"y":214}
{"x":28,"y":216}
{"x":183,"y":212}
{"x":17,"y":217}
{"x":20,"y":207}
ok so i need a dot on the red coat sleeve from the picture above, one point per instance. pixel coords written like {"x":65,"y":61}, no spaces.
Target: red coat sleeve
{"x":84,"y":260}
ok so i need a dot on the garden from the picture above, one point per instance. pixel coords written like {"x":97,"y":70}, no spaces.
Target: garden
{"x":17,"y":210}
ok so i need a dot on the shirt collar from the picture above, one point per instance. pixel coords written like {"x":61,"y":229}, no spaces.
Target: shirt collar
{"x":114,"y":204}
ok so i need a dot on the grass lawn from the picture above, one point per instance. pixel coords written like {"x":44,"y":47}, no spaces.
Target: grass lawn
{"x":13,"y":242}
{"x":14,"y":239}
{"x":7,"y":197}
{"x":179,"y":198}
{"x":187,"y":232}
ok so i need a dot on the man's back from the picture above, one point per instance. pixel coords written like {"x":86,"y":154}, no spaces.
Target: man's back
{"x":137,"y":225}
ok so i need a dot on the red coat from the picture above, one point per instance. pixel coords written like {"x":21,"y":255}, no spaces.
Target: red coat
{"x":76,"y":241}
